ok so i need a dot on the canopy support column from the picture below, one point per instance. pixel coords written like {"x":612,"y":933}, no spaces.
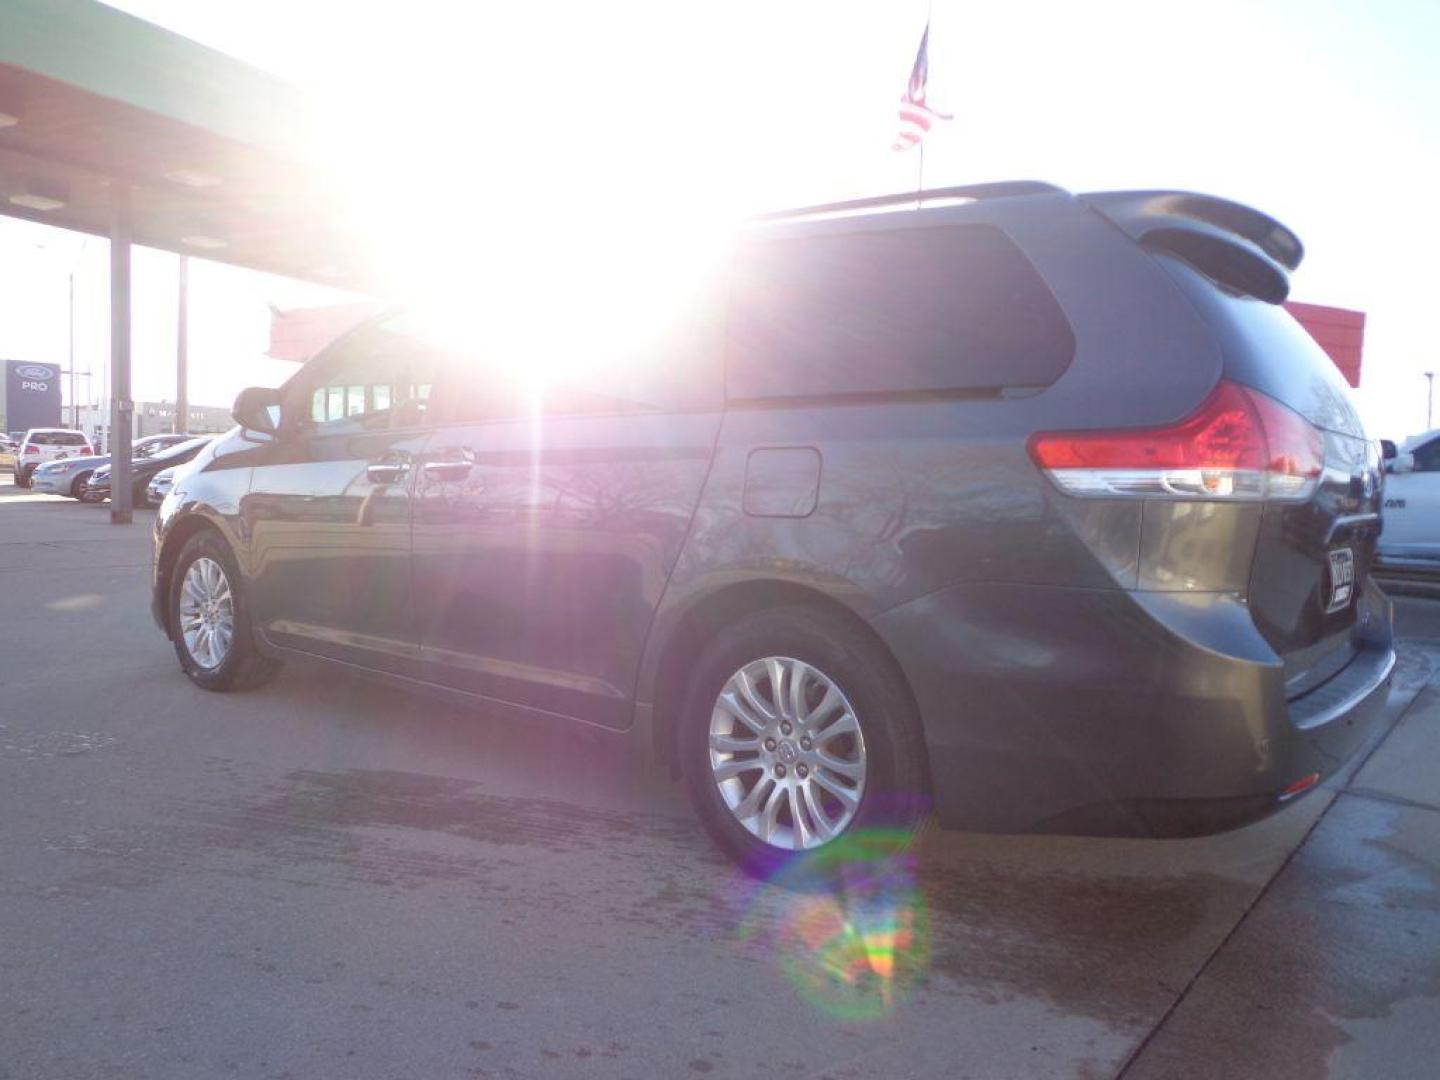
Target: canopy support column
{"x":122,"y":407}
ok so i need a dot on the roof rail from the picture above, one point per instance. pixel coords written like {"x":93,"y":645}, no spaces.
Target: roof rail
{"x":998,"y":190}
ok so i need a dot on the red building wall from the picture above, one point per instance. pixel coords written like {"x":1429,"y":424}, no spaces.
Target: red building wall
{"x":298,"y":334}
{"x":1339,"y":332}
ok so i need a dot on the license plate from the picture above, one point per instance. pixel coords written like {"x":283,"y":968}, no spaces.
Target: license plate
{"x":1342,"y":579}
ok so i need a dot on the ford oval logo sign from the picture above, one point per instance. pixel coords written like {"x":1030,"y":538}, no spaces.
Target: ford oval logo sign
{"x":34,"y":371}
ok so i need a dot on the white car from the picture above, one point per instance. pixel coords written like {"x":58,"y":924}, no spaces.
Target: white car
{"x":47,"y":444}
{"x":1411,"y":537}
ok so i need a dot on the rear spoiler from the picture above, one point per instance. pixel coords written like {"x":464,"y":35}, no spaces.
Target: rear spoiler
{"x":1237,"y":246}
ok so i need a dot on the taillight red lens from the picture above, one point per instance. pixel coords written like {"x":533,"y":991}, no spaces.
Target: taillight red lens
{"x":1240,"y":444}
{"x":32,"y":449}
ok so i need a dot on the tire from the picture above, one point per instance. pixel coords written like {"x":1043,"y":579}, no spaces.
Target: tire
{"x":888,"y":753}
{"x":22,"y":478}
{"x":77,"y":486}
{"x":241,"y":665}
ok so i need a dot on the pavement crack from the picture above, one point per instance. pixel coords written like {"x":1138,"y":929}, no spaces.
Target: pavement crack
{"x":1397,"y":800}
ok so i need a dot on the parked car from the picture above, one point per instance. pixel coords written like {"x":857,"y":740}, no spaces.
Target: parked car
{"x":69,"y":476}
{"x":47,"y":444}
{"x":160,"y":485}
{"x":1038,"y":509}
{"x":8,"y":446}
{"x":144,"y":468}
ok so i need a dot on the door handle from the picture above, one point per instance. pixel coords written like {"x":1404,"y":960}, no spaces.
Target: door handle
{"x":386,"y":473}
{"x":445,"y":471}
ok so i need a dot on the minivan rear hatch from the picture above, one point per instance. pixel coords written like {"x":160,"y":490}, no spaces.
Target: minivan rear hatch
{"x":1313,"y":557}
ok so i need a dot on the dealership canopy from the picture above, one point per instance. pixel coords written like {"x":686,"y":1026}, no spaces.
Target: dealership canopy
{"x":215,"y":153}
{"x":114,"y":127}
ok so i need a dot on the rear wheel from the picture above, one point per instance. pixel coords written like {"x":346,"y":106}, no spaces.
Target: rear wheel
{"x":77,"y":487}
{"x":22,"y":477}
{"x":799,"y":731}
{"x":210,"y":620}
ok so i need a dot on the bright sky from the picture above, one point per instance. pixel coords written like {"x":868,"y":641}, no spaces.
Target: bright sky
{"x":626,"y":130}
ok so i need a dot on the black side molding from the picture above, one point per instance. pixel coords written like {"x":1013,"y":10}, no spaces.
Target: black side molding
{"x":1239,"y":247}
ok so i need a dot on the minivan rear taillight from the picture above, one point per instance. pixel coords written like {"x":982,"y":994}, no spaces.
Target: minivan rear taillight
{"x":32,"y":449}
{"x":1240,"y":444}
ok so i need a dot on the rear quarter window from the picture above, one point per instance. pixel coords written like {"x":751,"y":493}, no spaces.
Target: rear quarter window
{"x":913,"y":310}
{"x":1266,"y":348}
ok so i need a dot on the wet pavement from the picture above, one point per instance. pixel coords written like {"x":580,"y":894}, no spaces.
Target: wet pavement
{"x":325,"y":878}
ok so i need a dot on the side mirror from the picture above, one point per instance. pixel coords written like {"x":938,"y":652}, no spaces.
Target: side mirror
{"x":1401,"y":463}
{"x":1387,"y":450}
{"x":258,"y":409}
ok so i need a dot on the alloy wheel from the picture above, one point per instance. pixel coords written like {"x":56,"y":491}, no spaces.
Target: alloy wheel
{"x":787,"y":753}
{"x":207,"y":613}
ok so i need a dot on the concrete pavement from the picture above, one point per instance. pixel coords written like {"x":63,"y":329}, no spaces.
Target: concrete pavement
{"x":327,"y":879}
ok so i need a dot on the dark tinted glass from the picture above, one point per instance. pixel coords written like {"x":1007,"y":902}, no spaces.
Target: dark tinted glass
{"x":673,"y":367}
{"x":378,"y":377}
{"x":1266,"y":348}
{"x":894,"y":311}
{"x":1427,"y":457}
{"x":190,"y":448}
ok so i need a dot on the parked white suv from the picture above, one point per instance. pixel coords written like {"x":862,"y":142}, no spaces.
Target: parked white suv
{"x":47,"y":444}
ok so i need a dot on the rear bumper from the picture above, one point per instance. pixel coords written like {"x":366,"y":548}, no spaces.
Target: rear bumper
{"x":1103,"y":712}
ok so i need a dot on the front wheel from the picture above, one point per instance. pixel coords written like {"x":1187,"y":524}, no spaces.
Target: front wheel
{"x":210,"y":620}
{"x":799,"y":731}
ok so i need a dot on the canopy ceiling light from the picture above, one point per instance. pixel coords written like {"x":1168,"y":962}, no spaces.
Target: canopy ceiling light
{"x":192,"y":178}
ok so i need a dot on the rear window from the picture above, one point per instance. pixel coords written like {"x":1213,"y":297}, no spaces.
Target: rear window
{"x":926,"y":309}
{"x":1267,"y":349}
{"x":57,"y":438}
{"x":190,"y":446}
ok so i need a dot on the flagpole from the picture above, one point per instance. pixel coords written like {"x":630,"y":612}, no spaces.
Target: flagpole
{"x":920,"y":172}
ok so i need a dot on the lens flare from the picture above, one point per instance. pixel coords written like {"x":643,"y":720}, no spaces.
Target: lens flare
{"x":846,"y":924}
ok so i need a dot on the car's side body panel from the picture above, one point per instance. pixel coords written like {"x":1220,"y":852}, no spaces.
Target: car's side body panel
{"x":328,"y":546}
{"x":543,"y":548}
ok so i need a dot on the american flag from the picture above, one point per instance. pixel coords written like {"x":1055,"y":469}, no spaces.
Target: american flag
{"x":916,"y":117}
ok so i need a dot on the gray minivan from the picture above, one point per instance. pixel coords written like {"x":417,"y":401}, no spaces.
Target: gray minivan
{"x":1032,"y":508}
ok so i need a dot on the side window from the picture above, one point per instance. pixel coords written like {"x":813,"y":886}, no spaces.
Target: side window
{"x":893,"y":310}
{"x":1427,"y":457}
{"x":673,"y":363}
{"x":376,"y":378}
